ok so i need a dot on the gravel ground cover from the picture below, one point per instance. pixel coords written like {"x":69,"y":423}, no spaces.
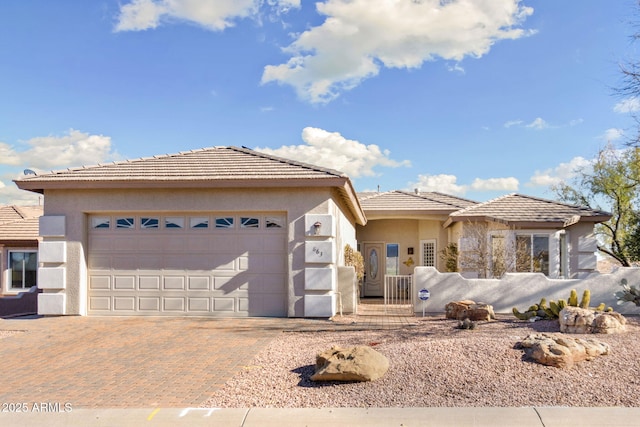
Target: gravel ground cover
{"x":433,"y":363}
{"x":5,"y":334}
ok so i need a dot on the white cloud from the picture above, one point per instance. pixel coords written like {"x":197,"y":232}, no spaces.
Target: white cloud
{"x":73,"y":149}
{"x":139,"y":15}
{"x":511,"y":123}
{"x":442,"y":183}
{"x":10,"y":194}
{"x":49,"y":152}
{"x":283,"y":6}
{"x":612,"y":134}
{"x":629,"y":105}
{"x":456,"y":68}
{"x":358,"y":37}
{"x":495,"y":184}
{"x":45,"y":153}
{"x":538,"y":124}
{"x":445,"y":183}
{"x":334,"y":151}
{"x":215,"y":15}
{"x":562,"y":172}
{"x":8,"y":156}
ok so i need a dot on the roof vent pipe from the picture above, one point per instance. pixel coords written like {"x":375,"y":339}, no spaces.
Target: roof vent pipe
{"x":416,"y":191}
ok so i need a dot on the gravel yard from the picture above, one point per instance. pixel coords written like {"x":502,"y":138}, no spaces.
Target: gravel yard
{"x":435,"y":364}
{"x":5,"y":334}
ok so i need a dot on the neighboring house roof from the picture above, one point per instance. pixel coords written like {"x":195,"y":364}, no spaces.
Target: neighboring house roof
{"x":527,"y":211}
{"x":18,"y":213}
{"x":395,"y":204}
{"x":19,"y":224}
{"x":219,"y":167}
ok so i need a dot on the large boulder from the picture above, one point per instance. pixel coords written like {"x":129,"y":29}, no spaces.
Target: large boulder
{"x":609,"y":323}
{"x":561,"y":351}
{"x":467,"y":309}
{"x":360,"y":363}
{"x":576,"y":320}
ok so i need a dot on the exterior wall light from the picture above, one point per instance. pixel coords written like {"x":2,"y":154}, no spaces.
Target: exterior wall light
{"x":316,"y":228}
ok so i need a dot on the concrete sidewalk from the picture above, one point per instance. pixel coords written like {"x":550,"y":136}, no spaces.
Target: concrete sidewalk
{"x":370,"y":417}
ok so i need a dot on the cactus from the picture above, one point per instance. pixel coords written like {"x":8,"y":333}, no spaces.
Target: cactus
{"x":628,"y":294}
{"x":552,"y":311}
{"x":573,"y":298}
{"x":527,"y":315}
{"x":544,"y":311}
{"x":555,"y":308}
{"x":586,"y":299}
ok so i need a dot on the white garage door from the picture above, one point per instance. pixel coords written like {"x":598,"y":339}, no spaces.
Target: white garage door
{"x":188,"y":264}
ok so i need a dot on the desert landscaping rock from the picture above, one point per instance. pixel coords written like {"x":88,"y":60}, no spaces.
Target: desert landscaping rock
{"x":561,"y":351}
{"x":467,"y":309}
{"x":434,"y":364}
{"x":360,"y":363}
{"x":576,"y":320}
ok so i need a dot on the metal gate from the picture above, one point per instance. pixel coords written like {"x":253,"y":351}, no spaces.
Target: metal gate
{"x":398,"y":293}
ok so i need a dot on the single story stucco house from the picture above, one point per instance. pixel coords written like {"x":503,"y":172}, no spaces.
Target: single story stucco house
{"x":229,"y":231}
{"x":408,"y":229}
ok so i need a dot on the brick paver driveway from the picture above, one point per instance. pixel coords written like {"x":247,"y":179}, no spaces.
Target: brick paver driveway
{"x":126,"y":362}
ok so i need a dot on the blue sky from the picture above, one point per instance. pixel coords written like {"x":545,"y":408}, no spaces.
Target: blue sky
{"x":471,"y":98}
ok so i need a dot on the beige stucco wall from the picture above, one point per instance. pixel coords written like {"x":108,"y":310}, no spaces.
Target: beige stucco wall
{"x":75,"y":205}
{"x":582,"y":247}
{"x":407,"y":233}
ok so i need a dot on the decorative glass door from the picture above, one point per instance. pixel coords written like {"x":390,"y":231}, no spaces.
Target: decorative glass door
{"x":374,"y":261}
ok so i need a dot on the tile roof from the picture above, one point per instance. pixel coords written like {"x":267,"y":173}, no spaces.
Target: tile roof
{"x":228,"y":167}
{"x":207,"y":164}
{"x":17,"y":213}
{"x":398,"y":201}
{"x":521,"y":209}
{"x":26,"y":229}
{"x":19,"y":223}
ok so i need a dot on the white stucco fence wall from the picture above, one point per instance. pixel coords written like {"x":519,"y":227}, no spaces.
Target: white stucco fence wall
{"x":520,"y":290}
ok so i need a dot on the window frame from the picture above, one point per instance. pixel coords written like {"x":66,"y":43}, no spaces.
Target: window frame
{"x":388,"y":260}
{"x":434,"y":254}
{"x":532,"y":252}
{"x":9,"y":275}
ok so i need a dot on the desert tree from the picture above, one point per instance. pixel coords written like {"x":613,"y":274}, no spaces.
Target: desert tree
{"x":611,"y":183}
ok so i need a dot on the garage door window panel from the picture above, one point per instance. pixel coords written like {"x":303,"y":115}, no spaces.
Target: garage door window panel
{"x":126,"y":223}
{"x":199,"y":222}
{"x":149,"y":223}
{"x":249,"y":222}
{"x":274,"y":222}
{"x":100,"y":222}
{"x":174,"y":222}
{"x":226,"y":222}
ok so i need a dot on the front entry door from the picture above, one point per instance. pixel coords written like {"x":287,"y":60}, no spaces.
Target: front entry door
{"x":374,"y":262}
